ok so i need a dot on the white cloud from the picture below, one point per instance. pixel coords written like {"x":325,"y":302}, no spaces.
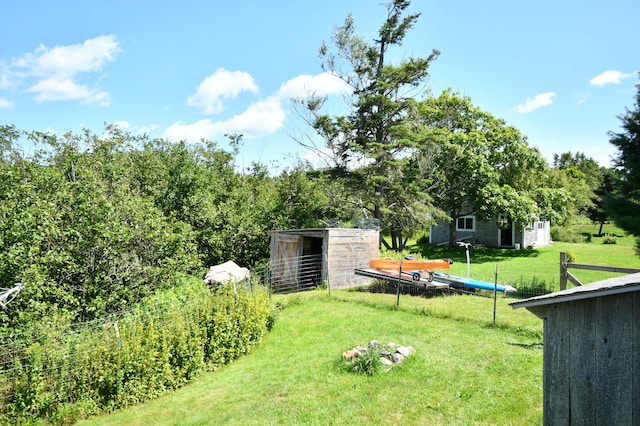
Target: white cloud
{"x":609,"y":77}
{"x":306,"y":85}
{"x":201,"y":129}
{"x":581,"y":98}
{"x":5,"y":104}
{"x":6,"y":77}
{"x":219,"y":86}
{"x":123,"y":125}
{"x":53,"y":89}
{"x":55,"y":69}
{"x":262,"y":118}
{"x":147,"y":130}
{"x":539,"y":100}
{"x":69,"y":60}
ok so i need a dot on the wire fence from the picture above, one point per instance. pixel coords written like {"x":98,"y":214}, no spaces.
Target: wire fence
{"x":291,"y":275}
{"x":41,"y":367}
{"x":304,"y":273}
{"x":53,"y":355}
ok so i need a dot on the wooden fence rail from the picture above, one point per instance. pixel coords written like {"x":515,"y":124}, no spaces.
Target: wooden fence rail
{"x":566,"y":276}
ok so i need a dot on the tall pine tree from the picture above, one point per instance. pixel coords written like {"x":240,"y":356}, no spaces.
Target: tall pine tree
{"x":369,"y":144}
{"x":623,"y":204}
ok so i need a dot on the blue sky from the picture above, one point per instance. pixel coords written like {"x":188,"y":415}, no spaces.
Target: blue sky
{"x":561,"y":72}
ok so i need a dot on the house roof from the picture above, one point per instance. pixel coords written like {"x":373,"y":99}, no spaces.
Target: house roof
{"x":618,"y":285}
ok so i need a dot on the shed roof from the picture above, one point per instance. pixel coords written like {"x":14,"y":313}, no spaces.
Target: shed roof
{"x":273,"y":231}
{"x":623,"y":284}
{"x":321,"y":232}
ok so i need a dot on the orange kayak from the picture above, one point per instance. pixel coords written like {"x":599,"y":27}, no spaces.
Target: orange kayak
{"x":410,"y":265}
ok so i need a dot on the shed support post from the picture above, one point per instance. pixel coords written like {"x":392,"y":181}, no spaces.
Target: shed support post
{"x":563,"y":270}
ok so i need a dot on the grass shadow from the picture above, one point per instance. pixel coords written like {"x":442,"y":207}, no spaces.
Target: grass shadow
{"x":533,"y":345}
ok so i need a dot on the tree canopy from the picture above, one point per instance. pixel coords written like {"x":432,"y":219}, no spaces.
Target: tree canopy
{"x":623,"y":204}
{"x":479,"y":165}
{"x":91,"y":224}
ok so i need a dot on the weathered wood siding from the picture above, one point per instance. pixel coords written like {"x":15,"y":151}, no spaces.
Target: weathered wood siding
{"x":348,"y":249}
{"x":592,"y":361}
{"x":343,"y":250}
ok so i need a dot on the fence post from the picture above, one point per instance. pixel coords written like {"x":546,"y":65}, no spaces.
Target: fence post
{"x":398,"y":289}
{"x":563,"y":270}
{"x":495,"y":294}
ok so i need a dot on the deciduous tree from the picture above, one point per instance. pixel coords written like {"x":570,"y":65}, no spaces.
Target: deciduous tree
{"x":480,"y":165}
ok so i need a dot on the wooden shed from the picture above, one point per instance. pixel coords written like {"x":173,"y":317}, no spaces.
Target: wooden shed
{"x":305,"y":258}
{"x":591,"y":352}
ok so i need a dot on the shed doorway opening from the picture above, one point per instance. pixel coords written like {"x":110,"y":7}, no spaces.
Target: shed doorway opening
{"x":311,"y":261}
{"x":506,"y":232}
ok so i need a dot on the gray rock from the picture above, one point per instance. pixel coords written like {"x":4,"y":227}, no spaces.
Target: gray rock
{"x":386,"y":361}
{"x":403,"y":350}
{"x":397,"y":358}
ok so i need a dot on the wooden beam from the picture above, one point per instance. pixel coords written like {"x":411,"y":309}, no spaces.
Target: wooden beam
{"x":603,"y":268}
{"x":573,"y":279}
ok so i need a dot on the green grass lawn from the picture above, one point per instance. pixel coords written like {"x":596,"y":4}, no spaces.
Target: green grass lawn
{"x":465,"y":371}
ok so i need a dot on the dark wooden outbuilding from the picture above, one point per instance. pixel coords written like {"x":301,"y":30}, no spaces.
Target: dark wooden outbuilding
{"x":305,"y":258}
{"x":591,"y":352}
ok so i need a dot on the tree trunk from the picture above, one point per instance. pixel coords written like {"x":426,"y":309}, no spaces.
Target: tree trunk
{"x":394,"y":240}
{"x":384,"y":243}
{"x":452,"y":233}
{"x":404,"y":242}
{"x":600,"y":230}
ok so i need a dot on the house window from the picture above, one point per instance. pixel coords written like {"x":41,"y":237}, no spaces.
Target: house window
{"x":466,"y":223}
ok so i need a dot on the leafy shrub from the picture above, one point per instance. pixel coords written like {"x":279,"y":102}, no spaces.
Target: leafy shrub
{"x":62,"y":373}
{"x":536,"y":287}
{"x":609,"y":239}
{"x":567,"y":235}
{"x":571,"y":256}
{"x":423,"y":239}
{"x":377,"y":286}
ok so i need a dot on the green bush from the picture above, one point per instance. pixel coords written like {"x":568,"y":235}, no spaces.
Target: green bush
{"x":60,"y":373}
{"x":567,"y":235}
{"x":609,"y":239}
{"x":423,"y":239}
{"x":571,"y":256}
{"x":535,"y":287}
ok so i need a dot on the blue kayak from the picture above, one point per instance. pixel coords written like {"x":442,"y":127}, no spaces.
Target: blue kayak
{"x":461,"y":282}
